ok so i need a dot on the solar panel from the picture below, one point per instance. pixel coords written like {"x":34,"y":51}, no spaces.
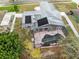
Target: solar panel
{"x":42,"y":21}
{"x":27,"y":19}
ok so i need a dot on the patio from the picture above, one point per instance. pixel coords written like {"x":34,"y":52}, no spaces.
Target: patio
{"x":38,"y":36}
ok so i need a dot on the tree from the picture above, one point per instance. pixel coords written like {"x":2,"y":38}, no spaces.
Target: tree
{"x":10,"y":46}
{"x":16,"y":8}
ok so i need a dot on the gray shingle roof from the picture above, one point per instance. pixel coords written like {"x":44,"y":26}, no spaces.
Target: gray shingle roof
{"x":46,"y":10}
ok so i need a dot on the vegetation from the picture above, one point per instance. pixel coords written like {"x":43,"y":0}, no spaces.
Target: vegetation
{"x":76,"y":18}
{"x":70,"y":48}
{"x":10,"y":46}
{"x":19,"y":8}
{"x":74,"y":22}
{"x":16,"y":8}
{"x":28,"y":7}
{"x":25,"y":36}
{"x":66,"y":6}
{"x":10,"y":8}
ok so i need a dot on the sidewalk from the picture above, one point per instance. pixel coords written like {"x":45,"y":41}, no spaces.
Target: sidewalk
{"x":70,"y":24}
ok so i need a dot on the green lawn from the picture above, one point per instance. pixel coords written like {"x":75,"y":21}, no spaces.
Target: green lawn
{"x":9,"y":8}
{"x":70,"y":32}
{"x":74,"y":23}
{"x":21,"y":8}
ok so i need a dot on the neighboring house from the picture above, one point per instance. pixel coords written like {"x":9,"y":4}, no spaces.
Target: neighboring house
{"x":45,"y":26}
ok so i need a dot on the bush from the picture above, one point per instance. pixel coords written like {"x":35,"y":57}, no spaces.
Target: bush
{"x":16,"y":8}
{"x":10,"y":46}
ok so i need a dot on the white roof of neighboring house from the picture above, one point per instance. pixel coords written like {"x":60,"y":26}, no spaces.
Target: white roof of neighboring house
{"x":6,"y":19}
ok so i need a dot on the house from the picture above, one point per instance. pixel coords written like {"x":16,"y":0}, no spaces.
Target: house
{"x":41,"y":26}
{"x":44,"y":24}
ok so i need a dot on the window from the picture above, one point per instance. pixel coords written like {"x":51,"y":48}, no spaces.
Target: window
{"x":42,"y":21}
{"x":46,"y":29}
{"x":27,"y":19}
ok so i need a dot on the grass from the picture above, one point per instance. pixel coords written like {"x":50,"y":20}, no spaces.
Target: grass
{"x":71,"y":34}
{"x":74,"y":23}
{"x":66,"y":7}
{"x":21,"y":8}
{"x":28,"y":7}
{"x":25,"y":36}
{"x":76,"y":18}
{"x":9,"y":8}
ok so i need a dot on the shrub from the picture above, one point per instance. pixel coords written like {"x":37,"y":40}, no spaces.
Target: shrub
{"x":10,"y":46}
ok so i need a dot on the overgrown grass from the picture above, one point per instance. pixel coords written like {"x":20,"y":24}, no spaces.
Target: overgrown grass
{"x":66,"y":7}
{"x":25,"y":37}
{"x":70,"y":32}
{"x":28,"y":7}
{"x":74,"y":22}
